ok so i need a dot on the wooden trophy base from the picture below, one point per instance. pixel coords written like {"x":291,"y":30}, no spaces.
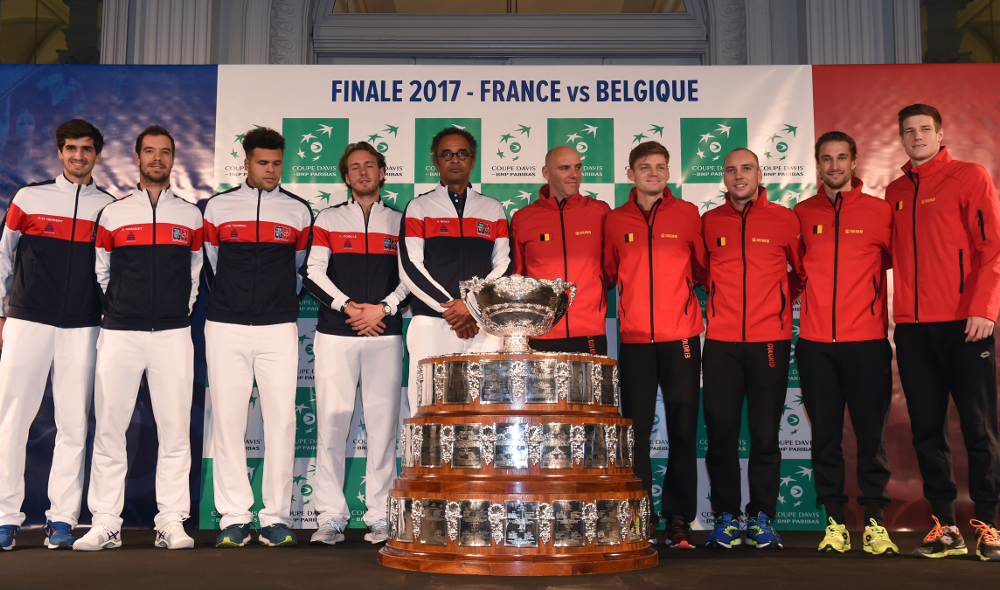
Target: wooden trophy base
{"x":518,"y":565}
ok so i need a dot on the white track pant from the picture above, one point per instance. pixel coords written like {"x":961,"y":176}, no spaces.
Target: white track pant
{"x":429,"y":336}
{"x":167,"y":358}
{"x":237,"y":355}
{"x":30,"y":351}
{"x":340,"y":362}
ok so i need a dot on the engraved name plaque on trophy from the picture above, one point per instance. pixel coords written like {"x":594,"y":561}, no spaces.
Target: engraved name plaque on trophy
{"x":456,"y":390}
{"x":430,"y":445}
{"x":434,"y":524}
{"x":595,"y":446}
{"x":404,"y":524}
{"x":540,"y":383}
{"x":511,"y":446}
{"x":581,"y":387}
{"x":474,"y":526}
{"x":497,"y":387}
{"x":521,"y":524}
{"x":568,"y":528}
{"x":468,"y":449}
{"x":608,"y":528}
{"x":557,"y":446}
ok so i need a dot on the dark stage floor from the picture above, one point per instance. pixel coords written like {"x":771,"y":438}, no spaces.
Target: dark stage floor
{"x":353,"y":565}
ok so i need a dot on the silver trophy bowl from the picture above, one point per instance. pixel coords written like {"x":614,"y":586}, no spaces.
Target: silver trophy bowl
{"x":517,"y":308}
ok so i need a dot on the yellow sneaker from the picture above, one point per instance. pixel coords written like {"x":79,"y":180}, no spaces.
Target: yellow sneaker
{"x":837,"y":538}
{"x":877,"y":540}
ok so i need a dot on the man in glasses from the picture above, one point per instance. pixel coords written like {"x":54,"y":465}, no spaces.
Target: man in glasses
{"x":447,"y":235}
{"x":561,"y":235}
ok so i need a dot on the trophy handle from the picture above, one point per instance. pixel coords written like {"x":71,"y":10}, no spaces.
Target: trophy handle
{"x":470,"y":301}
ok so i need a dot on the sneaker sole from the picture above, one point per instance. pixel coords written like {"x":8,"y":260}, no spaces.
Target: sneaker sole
{"x":228,"y":544}
{"x":339,"y":539}
{"x":982,"y":557}
{"x":828,"y":548}
{"x":77,"y":547}
{"x":368,"y":537}
{"x":8,"y":547}
{"x":716,"y":544}
{"x":61,"y":545}
{"x":681,"y":545}
{"x":946,"y":553}
{"x":886,"y":551}
{"x":288,"y":542}
{"x":186,"y":545}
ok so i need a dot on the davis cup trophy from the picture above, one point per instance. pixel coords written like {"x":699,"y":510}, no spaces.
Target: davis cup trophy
{"x":518,"y":462}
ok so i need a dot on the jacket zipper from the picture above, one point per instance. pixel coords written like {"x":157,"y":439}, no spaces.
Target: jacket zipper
{"x":687,"y":303}
{"x":836,"y":258}
{"x":743,"y":248}
{"x":982,"y":224}
{"x":805,"y":296}
{"x":781,"y":314}
{"x":915,"y":179}
{"x":875,"y":298}
{"x":649,"y":224}
{"x":153,"y":258}
{"x":562,"y":225}
{"x":713,"y":299}
{"x":69,"y":255}
{"x":961,"y":271}
{"x":367,"y":298}
{"x":256,"y":257}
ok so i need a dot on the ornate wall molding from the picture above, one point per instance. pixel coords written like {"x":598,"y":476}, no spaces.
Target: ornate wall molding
{"x":289,"y":32}
{"x":727,"y":32}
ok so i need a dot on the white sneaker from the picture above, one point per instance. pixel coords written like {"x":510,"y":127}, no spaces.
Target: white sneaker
{"x":99,"y":537}
{"x":172,"y":536}
{"x":378,"y":532}
{"x":328,"y":534}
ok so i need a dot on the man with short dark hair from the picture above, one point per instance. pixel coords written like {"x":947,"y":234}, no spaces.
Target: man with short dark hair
{"x":655,"y":251}
{"x":353,"y":271}
{"x":47,"y":268}
{"x":448,"y":235}
{"x":750,"y":242}
{"x":946,"y":276}
{"x":561,"y":235}
{"x":255,"y":241}
{"x":149,"y":254}
{"x":843,"y":353}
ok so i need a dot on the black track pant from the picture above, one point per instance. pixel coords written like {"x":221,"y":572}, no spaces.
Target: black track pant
{"x":858,"y":375}
{"x":934,"y":359}
{"x":584,"y":344}
{"x":675,"y":367}
{"x":759,"y":372}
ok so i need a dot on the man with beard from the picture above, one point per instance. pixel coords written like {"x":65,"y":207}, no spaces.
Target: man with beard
{"x":448,"y":235}
{"x":353,"y":272}
{"x":750,"y":242}
{"x":255,"y":241}
{"x":149,"y":254}
{"x":47,"y":267}
{"x":843,"y":351}
{"x":561,"y":235}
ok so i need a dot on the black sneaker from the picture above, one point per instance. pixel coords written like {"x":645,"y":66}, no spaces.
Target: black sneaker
{"x":678,"y":534}
{"x":942,"y":541}
{"x":988,"y":543}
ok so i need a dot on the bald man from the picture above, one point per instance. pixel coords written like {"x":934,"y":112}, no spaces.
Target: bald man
{"x":750,"y":243}
{"x":561,"y":235}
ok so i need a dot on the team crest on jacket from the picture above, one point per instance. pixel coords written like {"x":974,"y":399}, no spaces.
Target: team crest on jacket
{"x":390,"y":244}
{"x":443,"y":228}
{"x":282,"y":233}
{"x":130,"y":237}
{"x":49,"y":229}
{"x":181,"y":235}
{"x":483,"y":229}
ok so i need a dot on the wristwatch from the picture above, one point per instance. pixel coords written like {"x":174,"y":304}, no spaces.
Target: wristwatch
{"x":386,"y":308}
{"x":344,"y":306}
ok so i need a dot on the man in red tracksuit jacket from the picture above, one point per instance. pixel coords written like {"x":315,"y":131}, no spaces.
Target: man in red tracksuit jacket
{"x":750,"y":243}
{"x":655,"y":252}
{"x":946,"y":275}
{"x":561,"y":235}
{"x":843,"y":351}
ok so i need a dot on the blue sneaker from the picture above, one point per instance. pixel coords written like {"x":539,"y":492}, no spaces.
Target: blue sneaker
{"x":7,"y":536}
{"x":278,"y":535}
{"x":726,"y":533}
{"x":59,"y":535}
{"x":234,"y":535}
{"x":761,"y":533}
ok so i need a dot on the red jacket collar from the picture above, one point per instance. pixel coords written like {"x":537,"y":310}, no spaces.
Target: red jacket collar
{"x":932,"y":166}
{"x":849,"y":196}
{"x":664,"y":201}
{"x":547,"y":201}
{"x":760,"y":201}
